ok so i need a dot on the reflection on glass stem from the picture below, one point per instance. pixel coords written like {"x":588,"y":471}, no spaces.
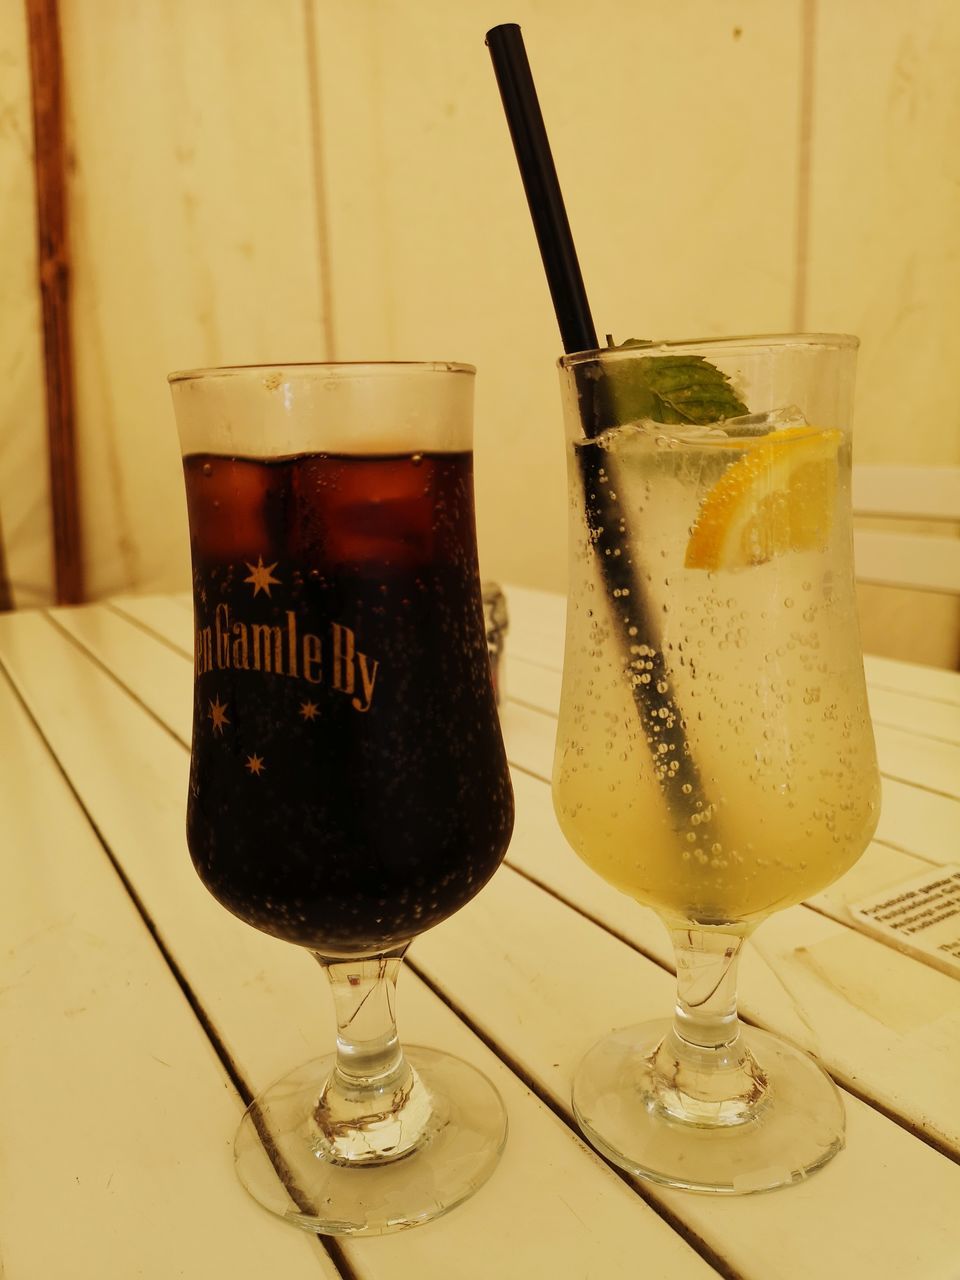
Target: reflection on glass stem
{"x":373,"y":1106}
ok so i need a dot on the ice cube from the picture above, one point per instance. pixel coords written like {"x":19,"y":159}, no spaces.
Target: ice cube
{"x":626,"y":439}
{"x":761,"y":424}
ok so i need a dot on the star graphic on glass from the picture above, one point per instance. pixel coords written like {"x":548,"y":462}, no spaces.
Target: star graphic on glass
{"x":309,"y":710}
{"x":261,"y":576}
{"x":255,"y":764}
{"x":218,"y":714}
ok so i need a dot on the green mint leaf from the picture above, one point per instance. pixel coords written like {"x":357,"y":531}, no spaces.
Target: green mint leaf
{"x":670,"y":389}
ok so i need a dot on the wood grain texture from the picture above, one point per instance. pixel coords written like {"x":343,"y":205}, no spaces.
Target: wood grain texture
{"x":194,"y":238}
{"x":159,"y":677}
{"x":540,"y":973}
{"x":564,"y":984}
{"x":54,"y":275}
{"x":885,"y":258}
{"x":117,"y":1108}
{"x":818,"y":982}
{"x":930,"y":682}
{"x":269,"y":1007}
{"x":6,"y":593}
{"x":926,"y":717}
{"x":24,"y":473}
{"x":682,"y":228}
{"x":915,"y":819}
{"x":336,"y":179}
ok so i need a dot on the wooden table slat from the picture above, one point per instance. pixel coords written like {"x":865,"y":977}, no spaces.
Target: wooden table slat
{"x":115,"y":1109}
{"x":165,"y":616}
{"x":269,"y":1006}
{"x":537,"y":620}
{"x":838,"y":993}
{"x":885,"y":1206}
{"x":544,"y":960}
{"x":927,"y":717}
{"x":910,"y":678}
{"x":940,"y":1108}
{"x":928,"y":826}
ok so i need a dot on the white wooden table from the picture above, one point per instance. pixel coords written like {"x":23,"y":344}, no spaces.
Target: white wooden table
{"x":137,"y":1014}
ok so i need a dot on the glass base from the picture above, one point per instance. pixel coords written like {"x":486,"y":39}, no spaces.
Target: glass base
{"x":630,"y":1114}
{"x":281,"y":1164}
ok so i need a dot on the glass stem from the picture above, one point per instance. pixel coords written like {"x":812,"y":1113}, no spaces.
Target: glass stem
{"x":705,"y":1073}
{"x":373,"y":1107}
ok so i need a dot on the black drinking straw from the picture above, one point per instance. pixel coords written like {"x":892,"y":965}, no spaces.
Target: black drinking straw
{"x":539,"y":175}
{"x":659,"y":714}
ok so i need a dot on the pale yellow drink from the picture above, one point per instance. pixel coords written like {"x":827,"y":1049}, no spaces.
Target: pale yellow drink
{"x":759,"y":703}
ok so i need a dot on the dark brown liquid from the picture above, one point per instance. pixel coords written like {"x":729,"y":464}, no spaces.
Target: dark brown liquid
{"x":348,"y":784}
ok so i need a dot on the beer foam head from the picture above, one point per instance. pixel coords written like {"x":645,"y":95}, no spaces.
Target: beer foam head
{"x":274,"y":411}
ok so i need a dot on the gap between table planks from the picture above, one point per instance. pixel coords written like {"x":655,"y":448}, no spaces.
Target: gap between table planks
{"x":268,"y":1007}
{"x":922,"y":827}
{"x":538,"y":618}
{"x":112,"y":1137}
{"x":825,"y":984}
{"x":929,"y":712}
{"x":178,"y":680}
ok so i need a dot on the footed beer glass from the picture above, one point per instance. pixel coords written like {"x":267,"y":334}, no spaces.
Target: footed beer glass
{"x":714,"y":757}
{"x":348,"y":785}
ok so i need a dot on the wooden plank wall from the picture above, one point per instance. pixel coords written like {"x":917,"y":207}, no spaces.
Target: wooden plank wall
{"x":732,"y":166}
{"x":885,"y":257}
{"x":194,"y":239}
{"x":333,"y":179}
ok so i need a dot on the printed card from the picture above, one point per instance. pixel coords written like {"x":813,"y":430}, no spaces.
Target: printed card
{"x":921,"y":916}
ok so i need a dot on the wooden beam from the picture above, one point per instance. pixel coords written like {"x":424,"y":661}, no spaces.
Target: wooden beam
{"x":53,"y":269}
{"x":6,"y":594}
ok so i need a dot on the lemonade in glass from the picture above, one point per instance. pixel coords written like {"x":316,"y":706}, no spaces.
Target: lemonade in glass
{"x":714,"y":756}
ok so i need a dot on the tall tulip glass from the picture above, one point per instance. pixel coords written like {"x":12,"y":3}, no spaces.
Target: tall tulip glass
{"x":348,"y":785}
{"x":714,"y":757}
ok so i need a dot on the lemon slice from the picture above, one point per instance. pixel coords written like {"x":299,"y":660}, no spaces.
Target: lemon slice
{"x":778,"y":497}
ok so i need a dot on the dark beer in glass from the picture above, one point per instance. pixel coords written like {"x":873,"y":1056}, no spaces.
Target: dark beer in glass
{"x":348,"y":784}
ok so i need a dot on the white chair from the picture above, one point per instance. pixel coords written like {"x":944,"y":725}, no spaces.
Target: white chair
{"x":924,"y":562}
